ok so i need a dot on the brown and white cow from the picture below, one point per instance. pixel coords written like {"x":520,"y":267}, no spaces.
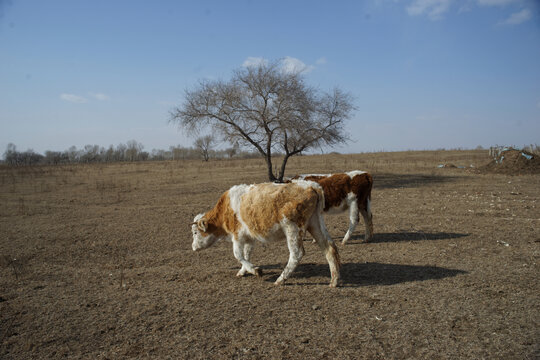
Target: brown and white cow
{"x":265,"y":212}
{"x":342,"y":191}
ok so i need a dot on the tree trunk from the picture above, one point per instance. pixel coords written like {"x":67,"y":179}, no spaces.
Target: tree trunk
{"x":268,"y":159}
{"x":282,"y":170}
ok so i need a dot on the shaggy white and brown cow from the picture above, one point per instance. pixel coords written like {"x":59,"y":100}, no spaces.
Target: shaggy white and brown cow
{"x":342,"y":191}
{"x":264,"y":212}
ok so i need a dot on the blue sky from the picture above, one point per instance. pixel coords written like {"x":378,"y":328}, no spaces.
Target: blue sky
{"x":426,"y":74}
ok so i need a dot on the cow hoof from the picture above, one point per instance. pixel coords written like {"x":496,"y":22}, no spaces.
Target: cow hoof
{"x":240,"y":273}
{"x":258,"y":272}
{"x":278,"y":282}
{"x":334,"y":283}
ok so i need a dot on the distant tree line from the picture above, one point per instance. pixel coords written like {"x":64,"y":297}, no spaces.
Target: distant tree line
{"x":130,"y":152}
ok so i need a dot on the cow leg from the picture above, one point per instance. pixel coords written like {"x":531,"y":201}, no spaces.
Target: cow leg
{"x":248,"y":246}
{"x":296,"y":251}
{"x":317,"y":228}
{"x":301,"y":241}
{"x":368,"y":220}
{"x":239,"y":251}
{"x":353,"y":220}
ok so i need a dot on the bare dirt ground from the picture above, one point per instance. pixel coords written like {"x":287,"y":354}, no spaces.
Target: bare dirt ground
{"x":96,"y":263}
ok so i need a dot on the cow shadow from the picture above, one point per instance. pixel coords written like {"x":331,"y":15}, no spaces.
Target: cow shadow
{"x":392,"y":181}
{"x":366,"y":274}
{"x":403,"y":236}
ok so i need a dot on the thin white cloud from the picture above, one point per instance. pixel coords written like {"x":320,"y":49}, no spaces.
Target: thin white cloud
{"x":321,"y":61}
{"x":100,"y":96}
{"x":518,"y":18}
{"x":73,"y":98}
{"x":254,"y":61}
{"x":434,"y":9}
{"x":293,"y":65}
{"x":288,"y":64}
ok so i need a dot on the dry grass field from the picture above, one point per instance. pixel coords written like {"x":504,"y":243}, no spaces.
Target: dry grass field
{"x":96,"y":263}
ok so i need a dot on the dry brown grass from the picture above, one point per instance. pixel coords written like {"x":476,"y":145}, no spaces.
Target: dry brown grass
{"x":95,"y":261}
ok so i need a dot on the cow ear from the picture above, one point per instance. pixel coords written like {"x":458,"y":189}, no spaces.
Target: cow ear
{"x":202,"y":224}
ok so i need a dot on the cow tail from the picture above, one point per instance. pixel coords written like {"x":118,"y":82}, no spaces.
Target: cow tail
{"x":368,"y":197}
{"x":320,"y":196}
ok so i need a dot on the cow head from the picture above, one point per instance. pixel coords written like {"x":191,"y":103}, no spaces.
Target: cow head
{"x":202,"y":239}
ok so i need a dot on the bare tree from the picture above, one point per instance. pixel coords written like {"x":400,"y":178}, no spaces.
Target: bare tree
{"x":133,"y":150}
{"x":73,"y":154}
{"x":204,"y":145}
{"x":11,"y":154}
{"x":90,"y":153}
{"x":269,"y":108}
{"x":14,"y":157}
{"x":232,"y":151}
{"x":120,"y":152}
{"x":56,"y":157}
